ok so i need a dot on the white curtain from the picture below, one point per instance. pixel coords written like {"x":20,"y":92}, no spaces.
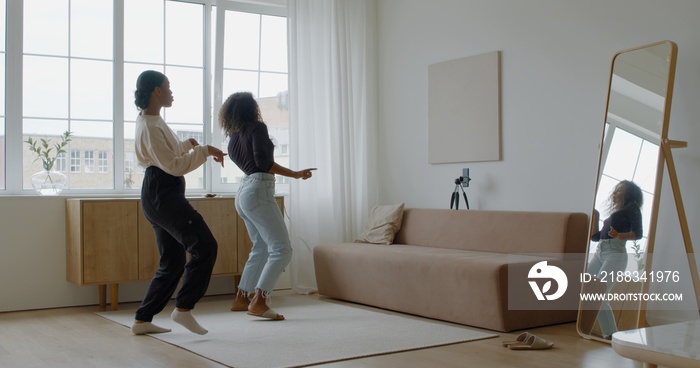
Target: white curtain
{"x":333,"y":125}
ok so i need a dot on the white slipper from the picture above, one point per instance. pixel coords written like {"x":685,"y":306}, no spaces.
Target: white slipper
{"x":269,"y":314}
{"x":518,"y":340}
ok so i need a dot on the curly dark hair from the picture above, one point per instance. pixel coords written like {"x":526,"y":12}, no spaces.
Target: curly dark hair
{"x":633,"y":195}
{"x":239,"y":111}
{"x":145,"y":84}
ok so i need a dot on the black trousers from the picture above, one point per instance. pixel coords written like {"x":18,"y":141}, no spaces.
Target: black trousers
{"x":179,"y":229}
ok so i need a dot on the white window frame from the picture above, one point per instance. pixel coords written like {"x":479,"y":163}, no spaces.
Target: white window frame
{"x":129,"y":162}
{"x":2,"y":116}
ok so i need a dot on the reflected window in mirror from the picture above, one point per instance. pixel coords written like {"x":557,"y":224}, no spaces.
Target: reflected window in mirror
{"x":635,"y":160}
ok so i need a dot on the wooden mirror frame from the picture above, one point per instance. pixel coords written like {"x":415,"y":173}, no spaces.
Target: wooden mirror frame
{"x":664,"y":158}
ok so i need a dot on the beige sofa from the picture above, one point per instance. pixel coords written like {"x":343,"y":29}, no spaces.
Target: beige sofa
{"x":454,"y":266}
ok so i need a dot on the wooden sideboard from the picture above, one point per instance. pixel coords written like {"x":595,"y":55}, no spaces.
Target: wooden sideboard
{"x":109,"y":241}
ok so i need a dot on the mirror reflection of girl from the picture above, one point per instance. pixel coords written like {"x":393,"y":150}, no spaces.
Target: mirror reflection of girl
{"x":251,"y":149}
{"x":625,"y":223}
{"x":178,"y":227}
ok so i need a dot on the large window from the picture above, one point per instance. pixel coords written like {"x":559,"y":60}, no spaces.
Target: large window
{"x":79,"y":60}
{"x":67,"y":81}
{"x":175,"y":46}
{"x":256,"y":63}
{"x":3,"y":27}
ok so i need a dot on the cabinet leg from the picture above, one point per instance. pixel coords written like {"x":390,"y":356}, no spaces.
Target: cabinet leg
{"x":114,"y":296}
{"x":102,"y":292}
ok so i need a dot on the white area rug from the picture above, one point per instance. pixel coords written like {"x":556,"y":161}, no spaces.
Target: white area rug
{"x":315,"y":331}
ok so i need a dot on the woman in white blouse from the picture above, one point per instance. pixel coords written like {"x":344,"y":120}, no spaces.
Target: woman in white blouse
{"x":178,"y":227}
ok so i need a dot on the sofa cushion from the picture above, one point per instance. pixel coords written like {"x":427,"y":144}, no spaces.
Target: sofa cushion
{"x":382,"y":225}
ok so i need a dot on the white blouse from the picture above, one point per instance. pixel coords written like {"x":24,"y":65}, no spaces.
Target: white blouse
{"x":157,"y":145}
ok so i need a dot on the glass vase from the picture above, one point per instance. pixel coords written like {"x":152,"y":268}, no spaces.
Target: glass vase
{"x":51,"y":182}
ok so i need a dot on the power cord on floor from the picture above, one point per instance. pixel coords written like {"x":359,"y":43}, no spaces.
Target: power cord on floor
{"x":290,"y":224}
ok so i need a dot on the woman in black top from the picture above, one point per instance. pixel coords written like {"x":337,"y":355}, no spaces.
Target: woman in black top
{"x":251,"y":149}
{"x":625,"y":223}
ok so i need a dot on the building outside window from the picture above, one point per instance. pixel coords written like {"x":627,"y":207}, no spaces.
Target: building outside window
{"x":74,"y":161}
{"x":61,"y":163}
{"x":89,"y":161}
{"x":129,"y":162}
{"x":102,"y":162}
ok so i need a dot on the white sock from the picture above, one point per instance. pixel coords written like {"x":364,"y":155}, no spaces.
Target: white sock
{"x":147,"y":327}
{"x":187,"y":320}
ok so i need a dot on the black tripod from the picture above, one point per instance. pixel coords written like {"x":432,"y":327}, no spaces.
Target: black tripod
{"x":455,"y":195}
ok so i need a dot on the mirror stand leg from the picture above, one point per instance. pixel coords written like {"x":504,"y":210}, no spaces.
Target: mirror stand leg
{"x":667,"y":145}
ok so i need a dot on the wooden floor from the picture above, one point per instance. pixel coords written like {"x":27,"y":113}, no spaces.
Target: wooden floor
{"x":77,"y":337}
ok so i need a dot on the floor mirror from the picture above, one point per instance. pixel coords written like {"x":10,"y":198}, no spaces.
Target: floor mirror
{"x":630,"y":168}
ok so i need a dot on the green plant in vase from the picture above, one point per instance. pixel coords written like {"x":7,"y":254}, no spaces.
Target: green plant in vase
{"x":49,"y":181}
{"x":43,"y":148}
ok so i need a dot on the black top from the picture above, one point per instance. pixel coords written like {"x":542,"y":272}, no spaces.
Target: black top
{"x":625,"y":220}
{"x":252,"y":150}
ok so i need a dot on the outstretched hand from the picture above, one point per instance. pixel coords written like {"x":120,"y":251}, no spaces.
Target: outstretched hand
{"x":305,"y":174}
{"x":217,"y":153}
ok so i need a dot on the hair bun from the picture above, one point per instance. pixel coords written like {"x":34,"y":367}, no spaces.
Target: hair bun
{"x":145,"y":83}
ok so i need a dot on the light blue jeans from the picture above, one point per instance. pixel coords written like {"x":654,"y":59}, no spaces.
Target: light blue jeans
{"x":610,"y":257}
{"x":272,"y":250}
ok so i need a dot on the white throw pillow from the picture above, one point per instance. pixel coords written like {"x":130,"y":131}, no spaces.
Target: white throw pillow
{"x":382,"y":225}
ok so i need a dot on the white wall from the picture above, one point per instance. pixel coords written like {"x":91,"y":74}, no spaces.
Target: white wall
{"x":556,"y":59}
